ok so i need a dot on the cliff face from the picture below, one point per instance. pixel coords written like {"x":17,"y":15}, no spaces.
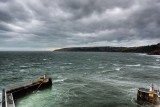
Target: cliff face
{"x":152,"y":49}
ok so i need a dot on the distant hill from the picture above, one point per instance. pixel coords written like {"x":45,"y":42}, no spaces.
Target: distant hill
{"x":150,"y":49}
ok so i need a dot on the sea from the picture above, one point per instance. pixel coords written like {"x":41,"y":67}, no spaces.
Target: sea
{"x":80,"y":79}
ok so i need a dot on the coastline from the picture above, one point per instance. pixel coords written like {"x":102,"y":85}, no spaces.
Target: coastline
{"x":150,"y":50}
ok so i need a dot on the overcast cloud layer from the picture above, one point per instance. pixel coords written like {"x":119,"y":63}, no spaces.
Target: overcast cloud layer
{"x":49,"y":24}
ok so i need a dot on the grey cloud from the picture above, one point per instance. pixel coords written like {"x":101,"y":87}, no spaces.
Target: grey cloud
{"x":59,"y":23}
{"x":146,"y":21}
{"x":4,"y":1}
{"x":3,"y":27}
{"x":84,"y":8}
{"x":12,"y":11}
{"x":5,"y":16}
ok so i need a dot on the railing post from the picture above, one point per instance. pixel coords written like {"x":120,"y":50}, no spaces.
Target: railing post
{"x":3,"y":98}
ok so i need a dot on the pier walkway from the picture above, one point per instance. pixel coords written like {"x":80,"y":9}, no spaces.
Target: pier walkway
{"x":9,"y":100}
{"x":8,"y":95}
{"x":0,"y":98}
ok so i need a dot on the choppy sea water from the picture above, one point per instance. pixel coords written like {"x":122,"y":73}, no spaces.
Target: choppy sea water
{"x":80,"y":79}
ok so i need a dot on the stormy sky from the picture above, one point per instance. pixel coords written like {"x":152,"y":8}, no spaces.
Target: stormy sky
{"x":51,"y":24}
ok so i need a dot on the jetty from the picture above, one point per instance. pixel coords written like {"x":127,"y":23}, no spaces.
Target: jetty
{"x":10,"y":94}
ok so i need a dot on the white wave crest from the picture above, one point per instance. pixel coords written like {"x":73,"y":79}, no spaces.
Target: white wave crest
{"x":118,"y":69}
{"x":154,"y":66}
{"x":23,"y":66}
{"x":68,"y":63}
{"x":136,"y":65}
{"x":157,"y":60}
{"x":58,"y":80}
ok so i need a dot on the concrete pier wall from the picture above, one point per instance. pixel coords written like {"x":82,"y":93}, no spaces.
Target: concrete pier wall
{"x":9,"y":95}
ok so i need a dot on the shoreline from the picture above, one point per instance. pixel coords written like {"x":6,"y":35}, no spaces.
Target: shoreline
{"x":150,"y":50}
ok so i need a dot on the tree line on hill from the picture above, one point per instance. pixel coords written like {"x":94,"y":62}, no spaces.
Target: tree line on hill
{"x":150,"y":49}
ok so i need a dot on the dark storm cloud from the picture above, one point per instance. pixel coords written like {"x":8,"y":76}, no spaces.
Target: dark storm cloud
{"x":147,"y":21}
{"x":5,"y":16}
{"x":46,"y":24}
{"x":11,"y":11}
{"x":84,"y":8}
